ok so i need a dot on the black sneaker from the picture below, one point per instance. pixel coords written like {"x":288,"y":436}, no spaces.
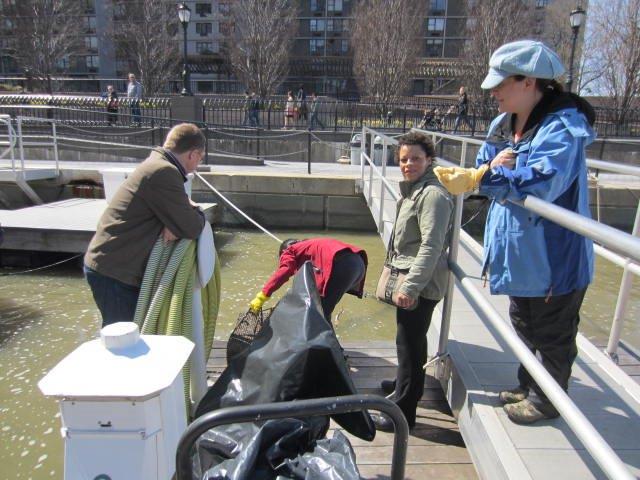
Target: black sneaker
{"x":388,"y":386}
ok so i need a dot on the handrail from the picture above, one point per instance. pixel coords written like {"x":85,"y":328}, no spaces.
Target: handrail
{"x":622,"y":242}
{"x":297,"y":408}
{"x":603,"y":454}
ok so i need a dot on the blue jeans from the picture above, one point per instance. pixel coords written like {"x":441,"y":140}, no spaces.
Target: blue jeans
{"x":116,"y":300}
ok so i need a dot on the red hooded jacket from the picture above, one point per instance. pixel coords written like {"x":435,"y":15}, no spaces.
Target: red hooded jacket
{"x":321,"y":252}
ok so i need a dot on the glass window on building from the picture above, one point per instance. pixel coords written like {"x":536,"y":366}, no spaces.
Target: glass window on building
{"x":316,"y":25}
{"x":90,"y":24}
{"x":435,"y":27}
{"x":336,"y":25}
{"x":91,"y":43}
{"x":344,"y":47}
{"x":63,"y":63}
{"x":334,"y":6}
{"x":118,"y":10}
{"x":204,"y":29}
{"x":203,"y":9}
{"x":224,"y":8}
{"x":316,"y":46}
{"x":433,"y":47}
{"x":90,"y":6}
{"x":316,"y":6}
{"x":92,"y":62}
{"x":438,"y":7}
{"x":542,"y":3}
{"x":225,"y":28}
{"x":204,"y":48}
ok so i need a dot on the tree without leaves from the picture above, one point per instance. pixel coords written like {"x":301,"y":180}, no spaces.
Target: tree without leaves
{"x":614,"y":52}
{"x":385,"y":42}
{"x":144,"y":32}
{"x":487,"y":30}
{"x":45,"y":33}
{"x":261,"y":43}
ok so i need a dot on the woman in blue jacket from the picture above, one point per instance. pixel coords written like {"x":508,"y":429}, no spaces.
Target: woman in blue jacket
{"x":536,"y":146}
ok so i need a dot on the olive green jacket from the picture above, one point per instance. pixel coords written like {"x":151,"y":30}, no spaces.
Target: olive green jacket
{"x":422,"y":236}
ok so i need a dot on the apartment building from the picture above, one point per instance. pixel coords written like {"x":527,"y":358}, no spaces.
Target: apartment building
{"x":321,"y":58}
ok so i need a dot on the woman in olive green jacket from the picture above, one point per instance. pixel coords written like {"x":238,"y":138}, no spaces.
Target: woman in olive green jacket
{"x":421,"y":239}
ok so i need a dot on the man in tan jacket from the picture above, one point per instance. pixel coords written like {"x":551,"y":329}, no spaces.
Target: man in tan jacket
{"x":151,"y":201}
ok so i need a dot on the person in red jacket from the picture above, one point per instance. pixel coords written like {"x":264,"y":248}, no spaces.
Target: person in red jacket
{"x":339,"y":268}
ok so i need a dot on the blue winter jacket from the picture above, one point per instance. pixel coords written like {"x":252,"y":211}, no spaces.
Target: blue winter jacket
{"x":525,"y":254}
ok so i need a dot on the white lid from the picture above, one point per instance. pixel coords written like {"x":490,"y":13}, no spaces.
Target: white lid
{"x":138,"y":370}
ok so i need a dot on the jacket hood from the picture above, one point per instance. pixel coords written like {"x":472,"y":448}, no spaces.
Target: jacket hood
{"x":551,"y":102}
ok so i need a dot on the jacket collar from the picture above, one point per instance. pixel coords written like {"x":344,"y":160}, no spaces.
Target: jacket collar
{"x":171,"y":158}
{"x":407,"y":189}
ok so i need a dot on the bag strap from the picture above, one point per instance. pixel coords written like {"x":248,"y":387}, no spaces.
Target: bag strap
{"x":388,"y":258}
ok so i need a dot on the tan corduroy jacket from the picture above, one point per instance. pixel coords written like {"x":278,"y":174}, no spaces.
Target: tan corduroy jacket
{"x":151,"y":198}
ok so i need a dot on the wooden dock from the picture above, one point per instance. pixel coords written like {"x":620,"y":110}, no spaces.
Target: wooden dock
{"x":436,"y":448}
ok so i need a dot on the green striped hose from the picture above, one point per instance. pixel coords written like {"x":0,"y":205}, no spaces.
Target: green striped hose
{"x":166,"y":297}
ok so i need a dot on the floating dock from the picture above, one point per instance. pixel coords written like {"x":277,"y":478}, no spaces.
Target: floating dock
{"x":65,"y":226}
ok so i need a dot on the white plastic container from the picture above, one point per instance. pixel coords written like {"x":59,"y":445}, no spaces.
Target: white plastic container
{"x":112,"y":178}
{"x":122,"y":403}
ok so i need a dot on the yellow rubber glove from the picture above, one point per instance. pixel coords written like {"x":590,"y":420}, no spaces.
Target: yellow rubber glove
{"x":460,"y":180}
{"x":256,"y":304}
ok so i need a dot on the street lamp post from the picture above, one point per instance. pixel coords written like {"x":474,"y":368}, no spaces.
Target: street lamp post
{"x":184,"y":14}
{"x":576,"y":17}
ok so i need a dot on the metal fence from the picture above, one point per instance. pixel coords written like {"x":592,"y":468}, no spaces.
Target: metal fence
{"x":328,"y":114}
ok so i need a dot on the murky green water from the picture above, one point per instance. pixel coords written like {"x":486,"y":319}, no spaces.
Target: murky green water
{"x":43,"y":316}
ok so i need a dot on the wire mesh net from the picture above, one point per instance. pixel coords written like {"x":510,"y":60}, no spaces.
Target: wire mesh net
{"x":247,"y":327}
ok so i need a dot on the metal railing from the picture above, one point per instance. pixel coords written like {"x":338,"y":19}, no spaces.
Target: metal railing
{"x":625,"y":244}
{"x":298,"y":408}
{"x":332,"y":114}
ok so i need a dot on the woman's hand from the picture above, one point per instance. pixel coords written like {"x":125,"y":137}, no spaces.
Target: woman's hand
{"x":506,"y":158}
{"x":404,"y":301}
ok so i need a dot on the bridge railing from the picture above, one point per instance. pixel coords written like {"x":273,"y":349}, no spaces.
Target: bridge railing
{"x":615,"y":245}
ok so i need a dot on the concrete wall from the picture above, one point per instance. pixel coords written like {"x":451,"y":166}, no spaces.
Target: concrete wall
{"x":289,"y":201}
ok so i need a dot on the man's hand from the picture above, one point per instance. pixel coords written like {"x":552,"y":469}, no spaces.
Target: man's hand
{"x":168,"y":235}
{"x":404,"y":301}
{"x":506,"y":158}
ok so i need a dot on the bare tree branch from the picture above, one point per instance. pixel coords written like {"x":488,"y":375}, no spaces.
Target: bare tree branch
{"x":145,"y":34}
{"x":385,"y":41}
{"x":46,"y":32}
{"x":614,"y":52}
{"x":493,"y":23}
{"x":262,"y":41}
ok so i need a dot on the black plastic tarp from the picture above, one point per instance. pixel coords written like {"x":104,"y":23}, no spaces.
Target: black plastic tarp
{"x":295,"y":356}
{"x":277,"y":449}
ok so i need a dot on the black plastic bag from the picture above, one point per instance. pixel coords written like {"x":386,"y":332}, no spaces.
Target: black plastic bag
{"x":295,"y":356}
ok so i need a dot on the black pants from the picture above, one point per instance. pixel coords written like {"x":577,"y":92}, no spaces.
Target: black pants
{"x":548,"y":326}
{"x":411,"y":344}
{"x":347,"y":272}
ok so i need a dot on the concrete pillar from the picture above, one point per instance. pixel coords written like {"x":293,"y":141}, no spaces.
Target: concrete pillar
{"x":186,"y":108}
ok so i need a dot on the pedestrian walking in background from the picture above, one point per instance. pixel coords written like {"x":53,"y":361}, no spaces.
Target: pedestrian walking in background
{"x":134,"y":94}
{"x":246,"y":107}
{"x":254,"y":110}
{"x":289,"y":110}
{"x":314,"y":110}
{"x":536,"y":146}
{"x":301,"y":104}
{"x":463,"y":111}
{"x":112,"y":105}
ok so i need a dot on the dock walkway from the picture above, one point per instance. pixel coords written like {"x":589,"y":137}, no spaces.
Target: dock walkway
{"x":436,"y":448}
